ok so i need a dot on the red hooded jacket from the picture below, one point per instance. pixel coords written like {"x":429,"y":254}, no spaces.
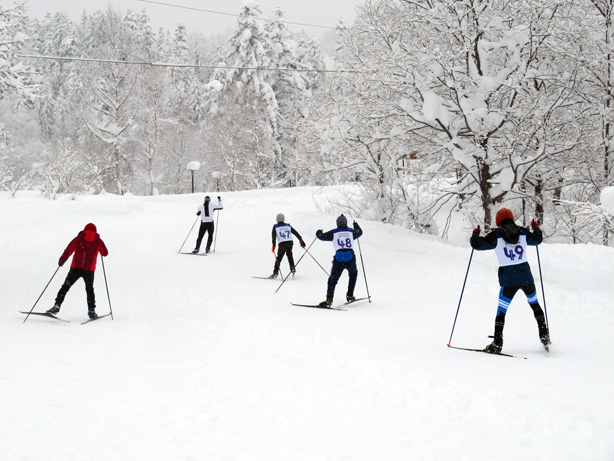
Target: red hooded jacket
{"x":86,"y":247}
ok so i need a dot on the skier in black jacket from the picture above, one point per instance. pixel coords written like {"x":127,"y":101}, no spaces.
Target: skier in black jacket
{"x":282,"y":232}
{"x":510,"y":244}
{"x":343,"y":241}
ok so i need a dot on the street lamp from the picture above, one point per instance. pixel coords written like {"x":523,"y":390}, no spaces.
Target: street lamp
{"x":193,"y":166}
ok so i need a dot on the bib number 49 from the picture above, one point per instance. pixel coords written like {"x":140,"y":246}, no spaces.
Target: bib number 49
{"x":516,"y":252}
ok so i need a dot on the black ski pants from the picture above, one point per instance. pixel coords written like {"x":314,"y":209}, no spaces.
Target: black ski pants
{"x":205,"y":227}
{"x":283,"y":249}
{"x":335,"y":273}
{"x":71,"y":278}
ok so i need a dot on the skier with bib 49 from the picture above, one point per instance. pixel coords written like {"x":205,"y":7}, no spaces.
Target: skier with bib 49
{"x":510,"y":244}
{"x":205,"y":211}
{"x":343,"y":241}
{"x":282,"y":232}
{"x":86,"y":247}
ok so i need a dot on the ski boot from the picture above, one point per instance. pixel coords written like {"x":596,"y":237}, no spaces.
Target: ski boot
{"x":91,"y":313}
{"x":54,"y":310}
{"x":349,"y":297}
{"x":293,"y":272}
{"x":273,"y":275}
{"x":496,"y":346}
{"x":207,"y":251}
{"x":196,"y":250}
{"x":327,"y":303}
{"x":544,"y":334}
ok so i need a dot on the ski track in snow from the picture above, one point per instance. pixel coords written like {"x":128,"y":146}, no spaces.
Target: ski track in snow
{"x":202,"y":361}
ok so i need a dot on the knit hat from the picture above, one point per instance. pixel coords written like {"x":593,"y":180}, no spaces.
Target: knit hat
{"x":90,"y":227}
{"x":207,"y":199}
{"x":342,"y":222}
{"x":503,"y":213}
{"x":280,"y":217}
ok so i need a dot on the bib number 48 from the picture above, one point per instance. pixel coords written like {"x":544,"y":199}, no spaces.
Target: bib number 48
{"x":347,"y":243}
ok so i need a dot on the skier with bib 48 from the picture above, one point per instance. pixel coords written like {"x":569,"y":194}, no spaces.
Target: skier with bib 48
{"x":510,"y":244}
{"x":282,"y":232}
{"x":343,"y":241}
{"x":86,"y":247}
{"x":205,"y":211}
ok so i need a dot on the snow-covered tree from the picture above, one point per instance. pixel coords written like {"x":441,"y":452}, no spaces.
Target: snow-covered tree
{"x":247,"y":81}
{"x":14,"y":75}
{"x":110,"y":90}
{"x":468,"y":87}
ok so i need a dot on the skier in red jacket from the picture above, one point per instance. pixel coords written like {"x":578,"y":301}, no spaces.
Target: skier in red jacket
{"x":86,"y":247}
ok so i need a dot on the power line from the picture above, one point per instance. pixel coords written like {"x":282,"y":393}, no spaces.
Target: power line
{"x":231,"y":14}
{"x":203,"y":66}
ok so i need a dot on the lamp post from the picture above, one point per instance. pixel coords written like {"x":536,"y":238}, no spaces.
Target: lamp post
{"x":193,"y":166}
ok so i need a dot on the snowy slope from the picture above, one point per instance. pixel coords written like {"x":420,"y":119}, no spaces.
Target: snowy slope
{"x":202,"y":361}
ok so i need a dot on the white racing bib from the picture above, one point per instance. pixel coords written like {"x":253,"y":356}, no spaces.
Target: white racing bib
{"x":284,"y":232}
{"x":343,"y":240}
{"x":510,"y":254}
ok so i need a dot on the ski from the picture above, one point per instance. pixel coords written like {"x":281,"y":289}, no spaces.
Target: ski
{"x":45,"y":314}
{"x":97,"y":318}
{"x":194,"y":254}
{"x":317,"y":306}
{"x":356,"y":300}
{"x":485,"y":352}
{"x":264,"y":278}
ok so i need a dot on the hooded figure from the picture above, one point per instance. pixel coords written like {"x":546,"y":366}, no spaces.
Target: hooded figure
{"x":510,"y":243}
{"x":86,"y":246}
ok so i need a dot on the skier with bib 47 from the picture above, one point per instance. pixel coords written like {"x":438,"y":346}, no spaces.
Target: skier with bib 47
{"x":510,"y":244}
{"x":282,"y":232}
{"x":205,"y":211}
{"x":343,"y":241}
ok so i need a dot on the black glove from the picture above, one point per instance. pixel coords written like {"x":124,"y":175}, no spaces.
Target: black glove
{"x":477,"y":230}
{"x":534,"y":223}
{"x":302,"y":243}
{"x":354,"y":223}
{"x":198,"y":214}
{"x":219,"y":198}
{"x":319,"y":233}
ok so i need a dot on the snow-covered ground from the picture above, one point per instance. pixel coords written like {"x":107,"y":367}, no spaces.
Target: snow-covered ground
{"x":202,"y":361}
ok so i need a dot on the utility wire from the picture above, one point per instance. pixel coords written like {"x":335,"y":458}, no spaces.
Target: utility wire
{"x":231,"y":14}
{"x":170,"y":64}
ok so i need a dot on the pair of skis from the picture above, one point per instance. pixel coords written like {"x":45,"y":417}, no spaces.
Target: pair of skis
{"x":333,"y":308}
{"x":47,"y":314}
{"x":546,"y":347}
{"x":195,"y":254}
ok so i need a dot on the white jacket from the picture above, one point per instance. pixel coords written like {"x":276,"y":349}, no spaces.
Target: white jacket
{"x":207,"y":215}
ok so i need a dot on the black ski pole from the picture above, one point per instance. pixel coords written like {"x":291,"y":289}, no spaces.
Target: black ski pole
{"x":297,"y":263}
{"x":107,"y":286}
{"x":56,"y":271}
{"x":542,"y":283}
{"x":363,"y":269}
{"x":461,"y":297}
{"x":186,"y":238}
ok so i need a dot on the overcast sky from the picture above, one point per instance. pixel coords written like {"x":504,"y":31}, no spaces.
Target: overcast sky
{"x":319,"y":12}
